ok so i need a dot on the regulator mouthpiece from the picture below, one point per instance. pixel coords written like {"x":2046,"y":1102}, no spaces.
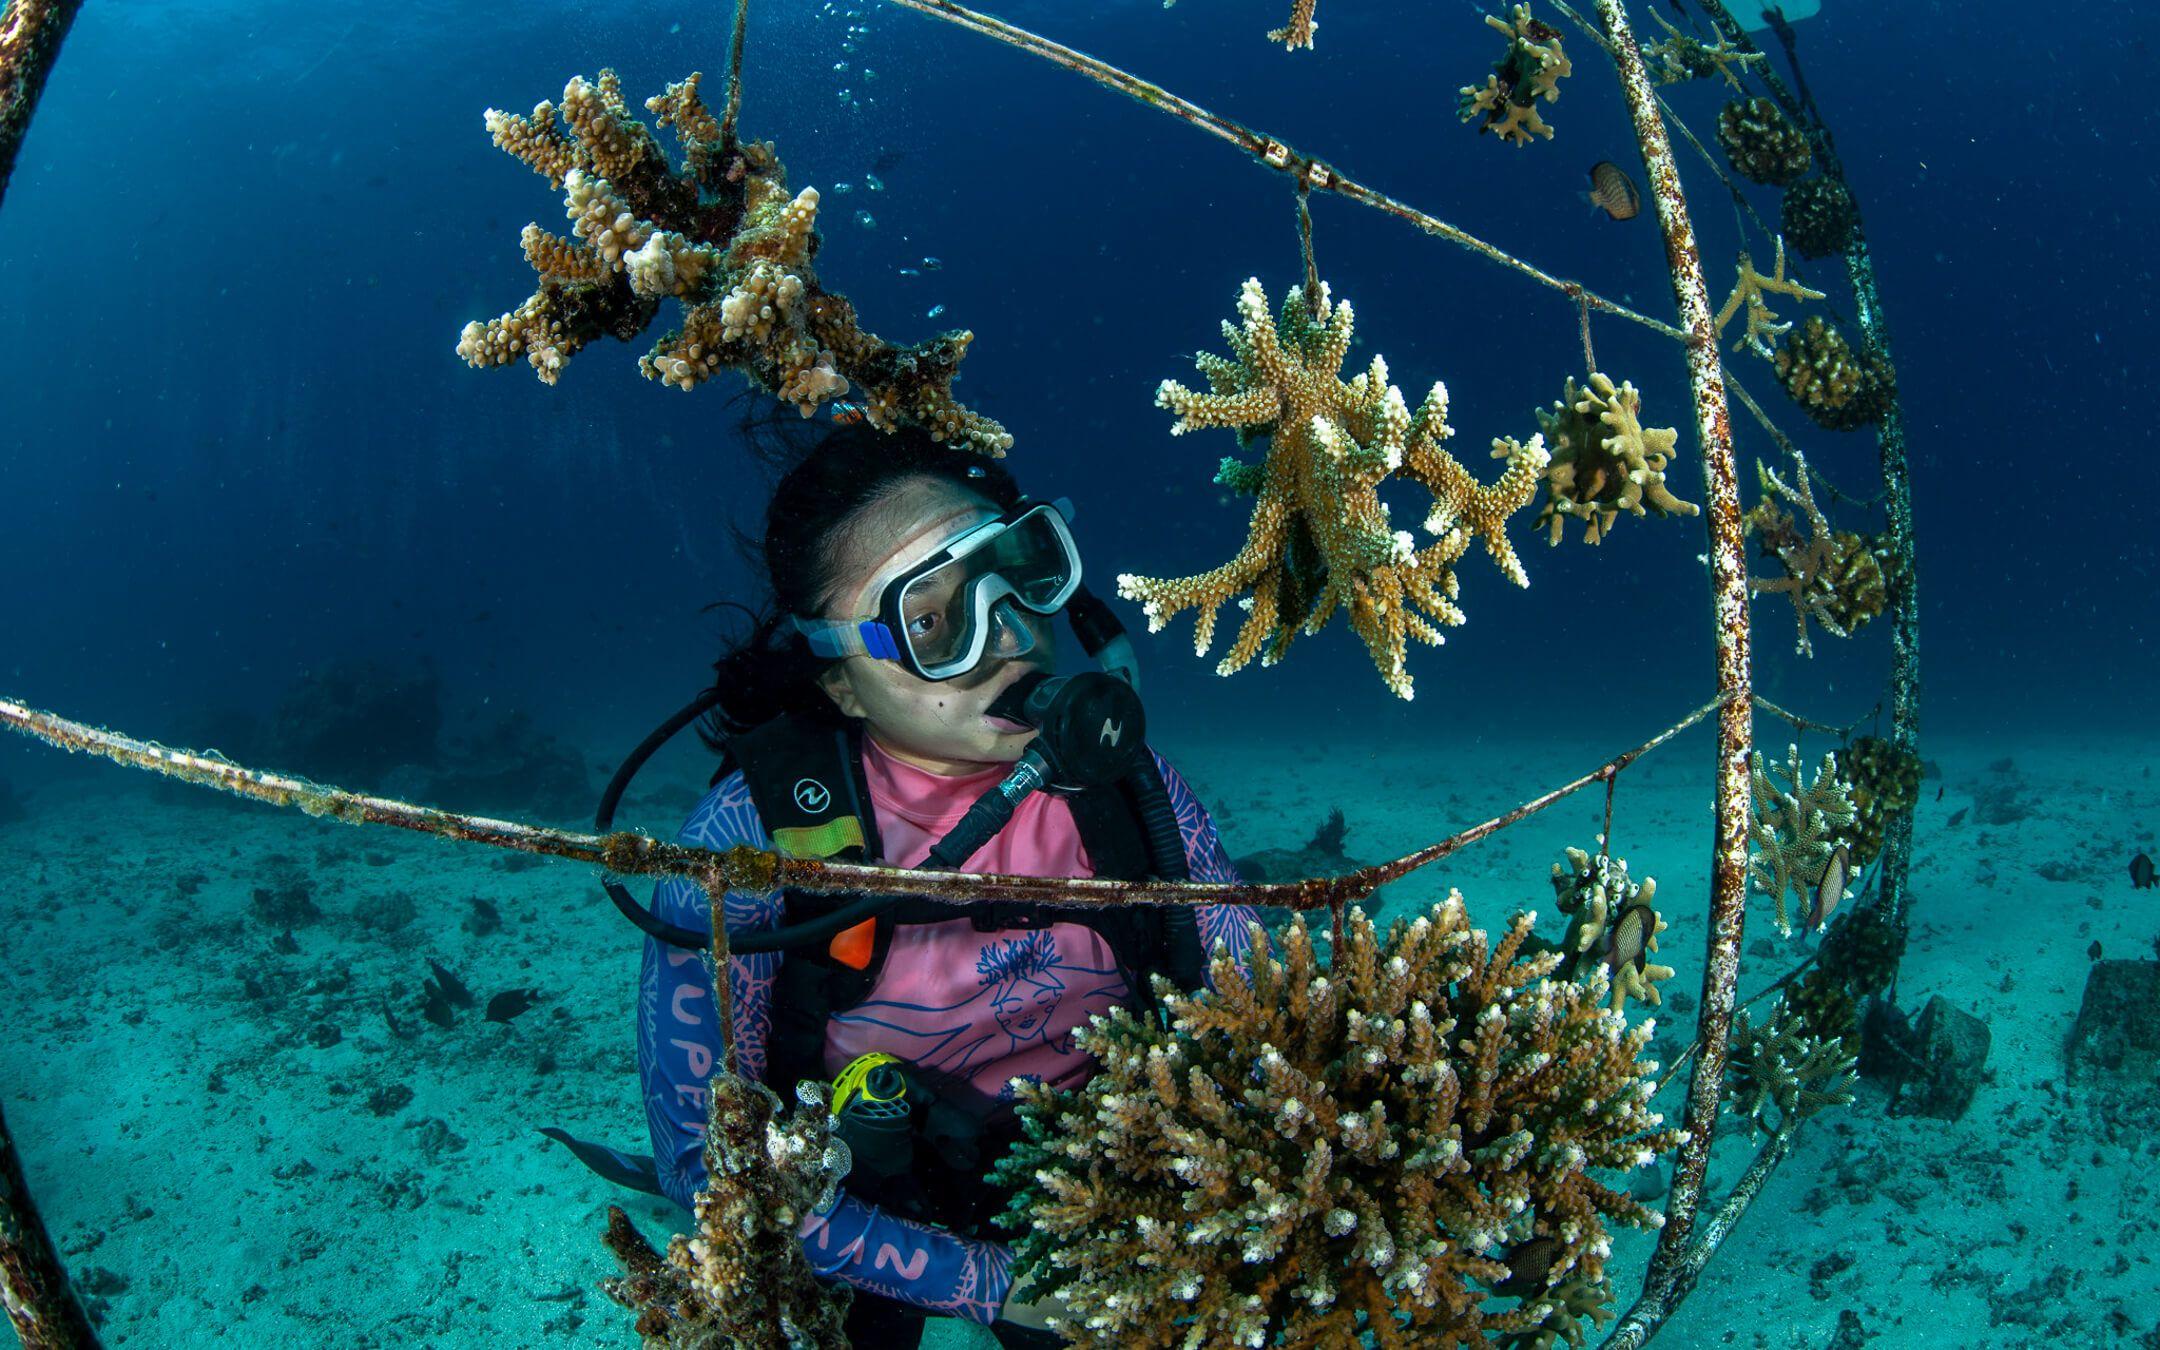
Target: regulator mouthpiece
{"x":1092,"y":729}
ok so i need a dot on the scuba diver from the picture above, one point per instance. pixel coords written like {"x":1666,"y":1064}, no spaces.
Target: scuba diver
{"x":899,"y":703}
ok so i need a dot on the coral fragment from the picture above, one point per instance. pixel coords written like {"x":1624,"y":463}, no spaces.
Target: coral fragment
{"x":1604,"y":461}
{"x":1529,"y":70}
{"x":1320,"y":538}
{"x":724,"y":238}
{"x":1797,"y":826}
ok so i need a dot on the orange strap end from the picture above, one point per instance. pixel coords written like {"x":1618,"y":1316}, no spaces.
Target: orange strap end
{"x":854,"y":947}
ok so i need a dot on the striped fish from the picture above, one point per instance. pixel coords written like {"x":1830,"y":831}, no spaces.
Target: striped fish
{"x":1613,"y":191}
{"x":1831,"y":889}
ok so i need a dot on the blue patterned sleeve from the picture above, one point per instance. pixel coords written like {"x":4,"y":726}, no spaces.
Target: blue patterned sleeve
{"x":678,"y":1035}
{"x":678,"y":1041}
{"x":1206,"y":860}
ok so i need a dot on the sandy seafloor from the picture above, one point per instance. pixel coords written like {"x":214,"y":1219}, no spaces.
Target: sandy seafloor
{"x":216,"y":1176}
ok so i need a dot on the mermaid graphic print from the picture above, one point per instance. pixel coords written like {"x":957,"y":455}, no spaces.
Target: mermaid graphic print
{"x":983,"y":1008}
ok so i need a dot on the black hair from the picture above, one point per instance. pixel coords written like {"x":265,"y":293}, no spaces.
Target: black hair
{"x":825,"y":484}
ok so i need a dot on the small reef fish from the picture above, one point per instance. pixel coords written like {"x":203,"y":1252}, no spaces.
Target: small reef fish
{"x":1631,"y":938}
{"x":2141,"y":873}
{"x":510,"y":1002}
{"x":1612,"y":190}
{"x":2094,"y":950}
{"x":1957,"y":817}
{"x":866,"y":220}
{"x":849,"y":414}
{"x":931,"y":264}
{"x":910,"y":272}
{"x":871,"y":180}
{"x":452,"y":987}
{"x":1529,"y":1266}
{"x":843,"y":187}
{"x":935,"y":310}
{"x":1831,"y":889}
{"x":441,"y":994}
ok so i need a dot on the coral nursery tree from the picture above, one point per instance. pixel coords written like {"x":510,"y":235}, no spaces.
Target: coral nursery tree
{"x":1435,"y":1096}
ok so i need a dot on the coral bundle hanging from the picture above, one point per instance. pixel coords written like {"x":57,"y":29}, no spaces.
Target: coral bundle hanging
{"x":725,"y":238}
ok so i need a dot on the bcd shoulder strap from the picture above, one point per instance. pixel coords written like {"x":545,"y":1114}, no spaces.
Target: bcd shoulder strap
{"x":806,"y":780}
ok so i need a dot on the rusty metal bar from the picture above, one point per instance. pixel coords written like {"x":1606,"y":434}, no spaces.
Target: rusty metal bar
{"x":1379,"y":874}
{"x":1729,"y":604}
{"x":731,"y":110}
{"x":1900,"y":579}
{"x":1649,"y":1313}
{"x":30,"y":35}
{"x":33,"y":1285}
{"x":627,"y":853}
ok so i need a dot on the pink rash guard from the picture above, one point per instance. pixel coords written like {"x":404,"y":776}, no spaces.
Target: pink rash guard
{"x":987,"y":1007}
{"x":983,"y":1006}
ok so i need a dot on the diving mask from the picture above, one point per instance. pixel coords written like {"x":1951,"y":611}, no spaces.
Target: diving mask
{"x":942,"y":616}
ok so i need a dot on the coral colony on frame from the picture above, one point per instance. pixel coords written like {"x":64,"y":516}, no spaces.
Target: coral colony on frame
{"x":723,"y":236}
{"x":1320,"y":538}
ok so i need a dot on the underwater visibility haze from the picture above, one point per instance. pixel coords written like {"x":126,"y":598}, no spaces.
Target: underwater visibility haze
{"x":1366,"y":351}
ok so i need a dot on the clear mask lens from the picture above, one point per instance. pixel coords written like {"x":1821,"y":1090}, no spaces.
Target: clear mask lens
{"x":1027,"y":564}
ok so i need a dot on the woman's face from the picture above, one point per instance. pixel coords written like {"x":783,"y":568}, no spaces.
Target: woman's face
{"x":943,"y":725}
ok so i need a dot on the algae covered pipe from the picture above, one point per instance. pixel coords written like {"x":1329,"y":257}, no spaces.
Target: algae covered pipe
{"x":30,"y":36}
{"x":33,"y":1285}
{"x":1665,"y":1283}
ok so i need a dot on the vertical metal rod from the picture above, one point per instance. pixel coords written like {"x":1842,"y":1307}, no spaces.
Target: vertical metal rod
{"x":732,"y":110}
{"x":33,"y":1285}
{"x":1901,"y":580}
{"x":723,"y":987}
{"x":1729,"y":605}
{"x":30,"y":36}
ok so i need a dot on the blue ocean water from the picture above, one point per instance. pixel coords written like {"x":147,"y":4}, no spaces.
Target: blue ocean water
{"x":238,"y":447}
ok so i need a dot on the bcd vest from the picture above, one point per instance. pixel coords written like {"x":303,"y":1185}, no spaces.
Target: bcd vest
{"x":815,"y":802}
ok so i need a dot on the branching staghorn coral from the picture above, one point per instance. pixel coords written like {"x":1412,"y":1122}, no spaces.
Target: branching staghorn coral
{"x":1780,"y":1067}
{"x":1821,"y":1006}
{"x":725,"y":238}
{"x":1796,"y":829}
{"x":1613,"y":925}
{"x":743,"y":1280}
{"x":1604,"y":461}
{"x":1679,"y":57}
{"x":1832,"y":576}
{"x":1298,"y":31}
{"x":1300,"y":1149}
{"x":1320,"y":538}
{"x":1530,"y":69}
{"x":1763,"y":329}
